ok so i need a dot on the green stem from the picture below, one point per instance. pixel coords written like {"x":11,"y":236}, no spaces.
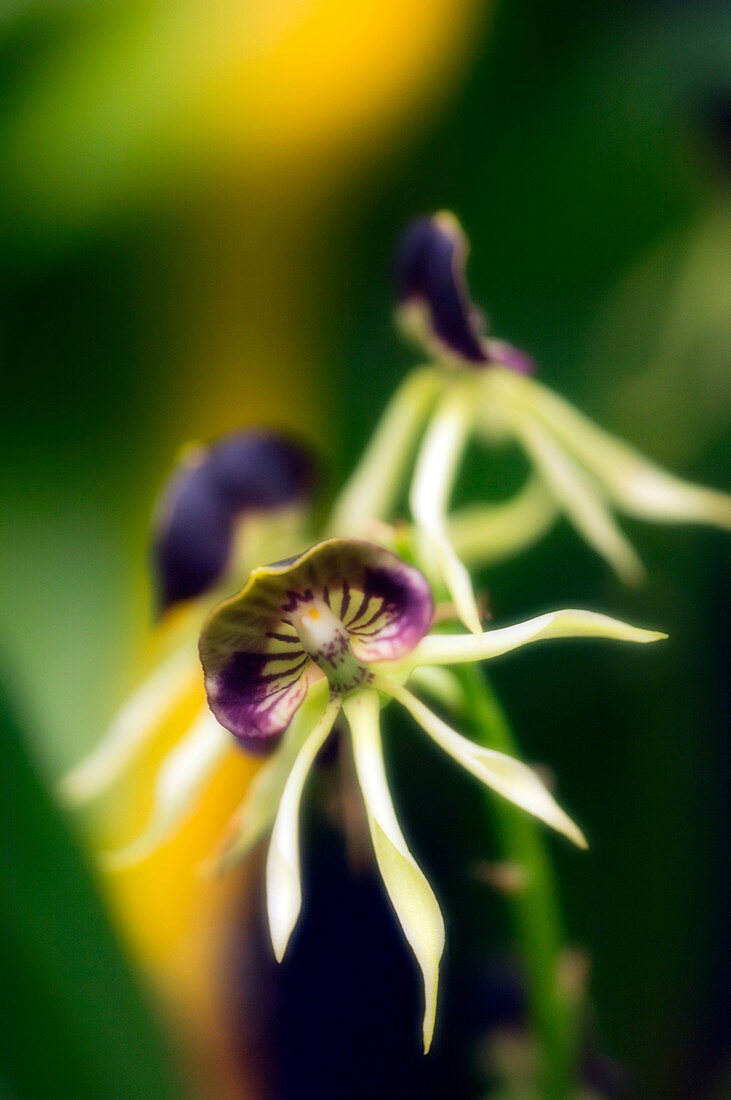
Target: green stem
{"x":536,"y":907}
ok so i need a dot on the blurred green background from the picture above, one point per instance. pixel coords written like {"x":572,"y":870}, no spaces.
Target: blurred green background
{"x":185,"y":249}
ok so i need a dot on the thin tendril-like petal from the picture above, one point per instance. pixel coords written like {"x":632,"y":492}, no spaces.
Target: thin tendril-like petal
{"x":135,"y":723}
{"x":579,"y":497}
{"x":436,"y":467}
{"x":504,"y":774}
{"x":371,"y":492}
{"x":182,"y":775}
{"x":483,"y":534}
{"x":411,"y":895}
{"x":454,"y":649}
{"x":638,"y":486}
{"x":284,"y":888}
{"x":256,"y":814}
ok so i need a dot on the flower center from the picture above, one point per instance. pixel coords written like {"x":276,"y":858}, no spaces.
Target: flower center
{"x":326,"y":641}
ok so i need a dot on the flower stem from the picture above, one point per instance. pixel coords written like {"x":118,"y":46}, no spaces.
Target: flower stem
{"x":536,"y":908}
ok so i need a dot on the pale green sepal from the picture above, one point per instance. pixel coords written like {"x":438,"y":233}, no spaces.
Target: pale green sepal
{"x":453,"y":649}
{"x":579,"y":496}
{"x":504,"y":774}
{"x":284,"y":888}
{"x":439,"y":458}
{"x":483,"y":534}
{"x":373,"y":490}
{"x":182,"y":775}
{"x":134,"y":724}
{"x":255,"y":816}
{"x":638,"y":486}
{"x":411,"y":895}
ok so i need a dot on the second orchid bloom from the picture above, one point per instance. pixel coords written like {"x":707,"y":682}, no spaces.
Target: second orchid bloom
{"x":479,"y":387}
{"x":339,"y":629}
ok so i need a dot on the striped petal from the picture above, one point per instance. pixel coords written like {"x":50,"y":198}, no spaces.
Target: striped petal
{"x":257,"y":671}
{"x":411,"y":895}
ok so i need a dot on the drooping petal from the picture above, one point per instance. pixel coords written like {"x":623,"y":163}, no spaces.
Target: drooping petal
{"x":284,"y":889}
{"x":256,"y":668}
{"x":214,"y":487}
{"x":580,"y":498}
{"x":434,"y":303}
{"x":509,"y":777}
{"x":483,"y":534}
{"x":182,"y":775}
{"x":133,"y":725}
{"x":453,"y":649}
{"x":638,"y":486}
{"x":372,"y":491}
{"x":255,"y":816}
{"x":411,"y":895}
{"x":436,"y":468}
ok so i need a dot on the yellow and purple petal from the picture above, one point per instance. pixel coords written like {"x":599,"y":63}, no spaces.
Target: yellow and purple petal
{"x":257,"y":662}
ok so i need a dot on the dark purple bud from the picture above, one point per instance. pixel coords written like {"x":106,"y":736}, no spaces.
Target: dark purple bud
{"x":212,"y":488}
{"x":434,"y":302}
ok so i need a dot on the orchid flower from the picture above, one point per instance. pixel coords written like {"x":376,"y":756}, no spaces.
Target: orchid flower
{"x":334,"y":631}
{"x":224,"y":508}
{"x":481,"y":387}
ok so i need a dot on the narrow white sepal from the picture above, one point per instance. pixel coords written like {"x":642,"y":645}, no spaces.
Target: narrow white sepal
{"x":454,"y":649}
{"x":504,"y":774}
{"x":135,"y":723}
{"x":180,"y":779}
{"x":411,"y":895}
{"x":579,"y":496}
{"x":255,"y":816}
{"x":372,"y":491}
{"x":436,"y":468}
{"x":283,"y":884}
{"x":638,"y":486}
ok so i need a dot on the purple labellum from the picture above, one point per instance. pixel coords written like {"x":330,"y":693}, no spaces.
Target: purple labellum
{"x":330,"y":612}
{"x":211,"y":489}
{"x":430,"y":275}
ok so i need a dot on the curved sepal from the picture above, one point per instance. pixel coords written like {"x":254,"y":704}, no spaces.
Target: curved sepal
{"x":411,"y":895}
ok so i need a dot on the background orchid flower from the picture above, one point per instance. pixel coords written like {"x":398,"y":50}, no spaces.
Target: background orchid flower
{"x":224,"y":506}
{"x":482,"y":387}
{"x":337,"y":630}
